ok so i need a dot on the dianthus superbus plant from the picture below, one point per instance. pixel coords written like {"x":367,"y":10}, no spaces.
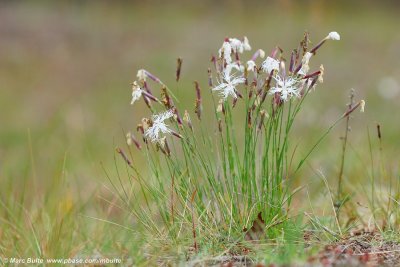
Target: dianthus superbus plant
{"x":224,"y":179}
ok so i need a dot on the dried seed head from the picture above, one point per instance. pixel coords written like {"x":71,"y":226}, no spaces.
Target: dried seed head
{"x":263,"y":97}
{"x":146,"y":123}
{"x":186,"y":118}
{"x":178,"y":68}
{"x":166,"y":99}
{"x":177,"y":117}
{"x":220,"y":125}
{"x":249,"y":118}
{"x":140,"y":128}
{"x":257,"y":101}
{"x":198,"y":91}
{"x":198,"y":105}
{"x":378,"y":128}
{"x":214,"y":61}
{"x":304,"y":42}
{"x":292,"y":61}
{"x":321,"y":75}
{"x":210,"y":83}
{"x":234,"y":102}
{"x":252,"y":89}
{"x":220,"y":107}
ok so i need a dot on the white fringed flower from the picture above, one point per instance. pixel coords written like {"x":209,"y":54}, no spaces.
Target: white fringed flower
{"x":227,"y":85}
{"x":158,"y":126}
{"x":304,"y":63}
{"x":236,"y":45}
{"x":141,"y":75}
{"x":287,"y":87}
{"x":226,"y":51}
{"x":246,"y":44}
{"x":136,"y":92}
{"x":239,"y":46}
{"x":333,"y":36}
{"x":270,"y":64}
{"x":228,"y":69}
{"x":251,"y":65}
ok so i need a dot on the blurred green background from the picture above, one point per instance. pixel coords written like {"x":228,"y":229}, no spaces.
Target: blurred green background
{"x":66,"y":68}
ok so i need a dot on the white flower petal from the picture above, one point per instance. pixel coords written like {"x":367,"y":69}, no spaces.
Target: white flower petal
{"x":262,"y":53}
{"x":229,"y":67}
{"x":136,"y":94}
{"x":141,"y":75}
{"x":227,"y":85}
{"x":236,"y":44}
{"x":226,"y":50}
{"x":270,"y":64}
{"x":251,"y":65}
{"x":246,"y":44}
{"x":333,"y":36}
{"x":158,"y":127}
{"x":287,"y":87}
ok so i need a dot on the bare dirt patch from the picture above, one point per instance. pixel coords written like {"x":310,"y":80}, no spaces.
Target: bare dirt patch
{"x":362,"y":248}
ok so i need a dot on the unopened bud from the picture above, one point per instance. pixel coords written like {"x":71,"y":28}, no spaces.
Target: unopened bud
{"x":130,"y":139}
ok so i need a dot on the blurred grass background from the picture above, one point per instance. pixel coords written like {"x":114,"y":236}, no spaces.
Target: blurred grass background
{"x":66,"y":68}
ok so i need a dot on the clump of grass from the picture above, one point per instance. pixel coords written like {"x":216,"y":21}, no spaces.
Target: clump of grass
{"x":215,"y":186}
{"x":383,"y":191}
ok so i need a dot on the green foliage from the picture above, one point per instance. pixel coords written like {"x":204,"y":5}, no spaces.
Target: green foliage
{"x":222,"y":184}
